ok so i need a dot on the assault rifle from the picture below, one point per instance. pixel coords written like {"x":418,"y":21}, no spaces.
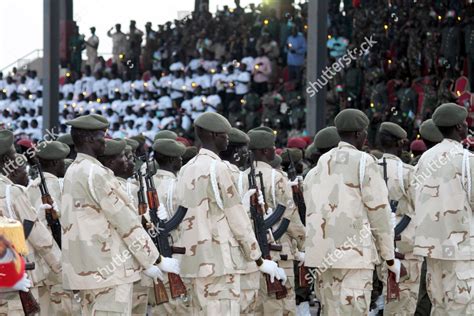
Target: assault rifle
{"x":161,"y":236}
{"x":257,"y":211}
{"x":51,"y":215}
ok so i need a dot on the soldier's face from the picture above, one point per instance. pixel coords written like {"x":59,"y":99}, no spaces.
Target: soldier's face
{"x":463,"y":130}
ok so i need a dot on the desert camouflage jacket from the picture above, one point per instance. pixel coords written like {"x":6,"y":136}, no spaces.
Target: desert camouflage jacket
{"x":348,"y":215}
{"x":444,"y":201}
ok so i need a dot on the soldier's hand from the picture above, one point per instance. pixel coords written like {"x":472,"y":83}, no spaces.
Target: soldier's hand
{"x":395,"y":268}
{"x":44,"y":207}
{"x":300,"y":257}
{"x":162,"y":213}
{"x":393,"y":219}
{"x":154,"y":272}
{"x":282,"y":275}
{"x":246,"y":198}
{"x":170,"y":265}
{"x":268,"y":213}
{"x":23,"y":285}
{"x":296,"y":181}
{"x":271,"y":268}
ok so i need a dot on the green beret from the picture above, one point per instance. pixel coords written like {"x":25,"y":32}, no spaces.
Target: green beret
{"x":132,"y":143}
{"x":327,"y":138}
{"x":166,"y":134}
{"x":128,"y":148}
{"x":376,"y":153}
{"x":114,"y":147}
{"x":276,"y":163}
{"x":310,"y":150}
{"x":295,"y":153}
{"x":139,"y":138}
{"x":169,"y":147}
{"x":236,"y":136}
{"x":393,"y":129}
{"x":449,"y":114}
{"x":89,"y":122}
{"x":263,"y":128}
{"x":213,"y":122}
{"x":430,"y":131}
{"x":190,"y":152}
{"x":53,"y":150}
{"x":260,"y":139}
{"x":351,"y":120}
{"x":66,"y":139}
{"x":6,"y":141}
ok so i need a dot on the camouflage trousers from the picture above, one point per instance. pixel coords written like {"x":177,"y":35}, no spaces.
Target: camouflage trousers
{"x":249,"y":286}
{"x":269,"y":305}
{"x":139,"y":299}
{"x":345,"y":291}
{"x":409,"y":288}
{"x":179,"y":306}
{"x":54,"y":300}
{"x":218,"y":295}
{"x":10,"y":304}
{"x":450,"y":286}
{"x":116,"y":300}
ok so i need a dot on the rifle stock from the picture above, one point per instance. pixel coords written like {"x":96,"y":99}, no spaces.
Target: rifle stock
{"x":28,"y":302}
{"x":160,"y":292}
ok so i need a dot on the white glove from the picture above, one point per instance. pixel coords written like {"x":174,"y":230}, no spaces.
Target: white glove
{"x":300,"y":257}
{"x":269,"y":212}
{"x":154,"y":272}
{"x":169,"y":265}
{"x":296,"y":181}
{"x":393,"y":219}
{"x":395,"y":268}
{"x":246,"y":198}
{"x":44,"y":207}
{"x":23,"y":285}
{"x":162,"y":213}
{"x":282,"y":276}
{"x":271,"y":268}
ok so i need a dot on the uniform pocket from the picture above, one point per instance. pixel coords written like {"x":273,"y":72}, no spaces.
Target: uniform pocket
{"x":464,"y":285}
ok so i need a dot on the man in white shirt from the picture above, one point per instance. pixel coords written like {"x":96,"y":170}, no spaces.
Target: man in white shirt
{"x":92,"y":45}
{"x":242,"y":81}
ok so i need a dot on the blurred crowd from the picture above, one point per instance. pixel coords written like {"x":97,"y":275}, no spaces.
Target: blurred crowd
{"x":248,"y":64}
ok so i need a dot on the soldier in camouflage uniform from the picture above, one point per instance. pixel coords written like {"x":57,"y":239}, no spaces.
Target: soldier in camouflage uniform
{"x":104,"y":244}
{"x":348,"y":220}
{"x":278,"y":191}
{"x":216,"y":231}
{"x":51,"y":158}
{"x":401,"y":189}
{"x":444,"y":220}
{"x":43,"y":250}
{"x":235,"y":157}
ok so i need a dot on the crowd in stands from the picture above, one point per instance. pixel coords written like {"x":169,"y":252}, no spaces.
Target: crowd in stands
{"x":248,"y":64}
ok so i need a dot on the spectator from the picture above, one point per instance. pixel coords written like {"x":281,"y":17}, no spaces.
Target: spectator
{"x":296,"y":46}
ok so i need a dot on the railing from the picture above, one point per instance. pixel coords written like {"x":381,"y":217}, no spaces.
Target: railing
{"x":23,"y":61}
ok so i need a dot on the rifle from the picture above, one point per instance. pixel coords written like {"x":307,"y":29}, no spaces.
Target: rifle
{"x":161,"y":239}
{"x":300,"y":204}
{"x":28,"y":302}
{"x":393,"y":289}
{"x":257,"y":211}
{"x":142,"y":205}
{"x":297,"y":193}
{"x":51,"y":215}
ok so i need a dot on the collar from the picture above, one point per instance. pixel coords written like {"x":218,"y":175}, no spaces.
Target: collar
{"x":346,"y":145}
{"x":81,"y":156}
{"x":390,"y":156}
{"x":231,"y":166}
{"x":452,"y":142}
{"x":209,"y":153}
{"x":48,"y":175}
{"x":4,"y":179}
{"x":165,"y":173}
{"x":262,"y":164}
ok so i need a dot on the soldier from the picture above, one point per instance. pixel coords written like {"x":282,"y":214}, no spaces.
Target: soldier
{"x":236,"y":157}
{"x":451,"y":42}
{"x":216,"y":231}
{"x":262,"y":144}
{"x":348,"y":220}
{"x":43,"y":251}
{"x":443,"y":220}
{"x":51,"y":157}
{"x":67,"y":139}
{"x":167,"y":154}
{"x":401,"y":189}
{"x":104,"y":244}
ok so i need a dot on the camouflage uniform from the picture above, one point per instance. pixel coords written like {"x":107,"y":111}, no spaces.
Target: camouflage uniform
{"x":100,"y":224}
{"x":348,"y":226}
{"x":250,"y":278}
{"x":444,"y":226}
{"x":292,"y":241}
{"x":44,"y":252}
{"x":216,"y":232}
{"x":55,"y":300}
{"x":400,"y":188}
